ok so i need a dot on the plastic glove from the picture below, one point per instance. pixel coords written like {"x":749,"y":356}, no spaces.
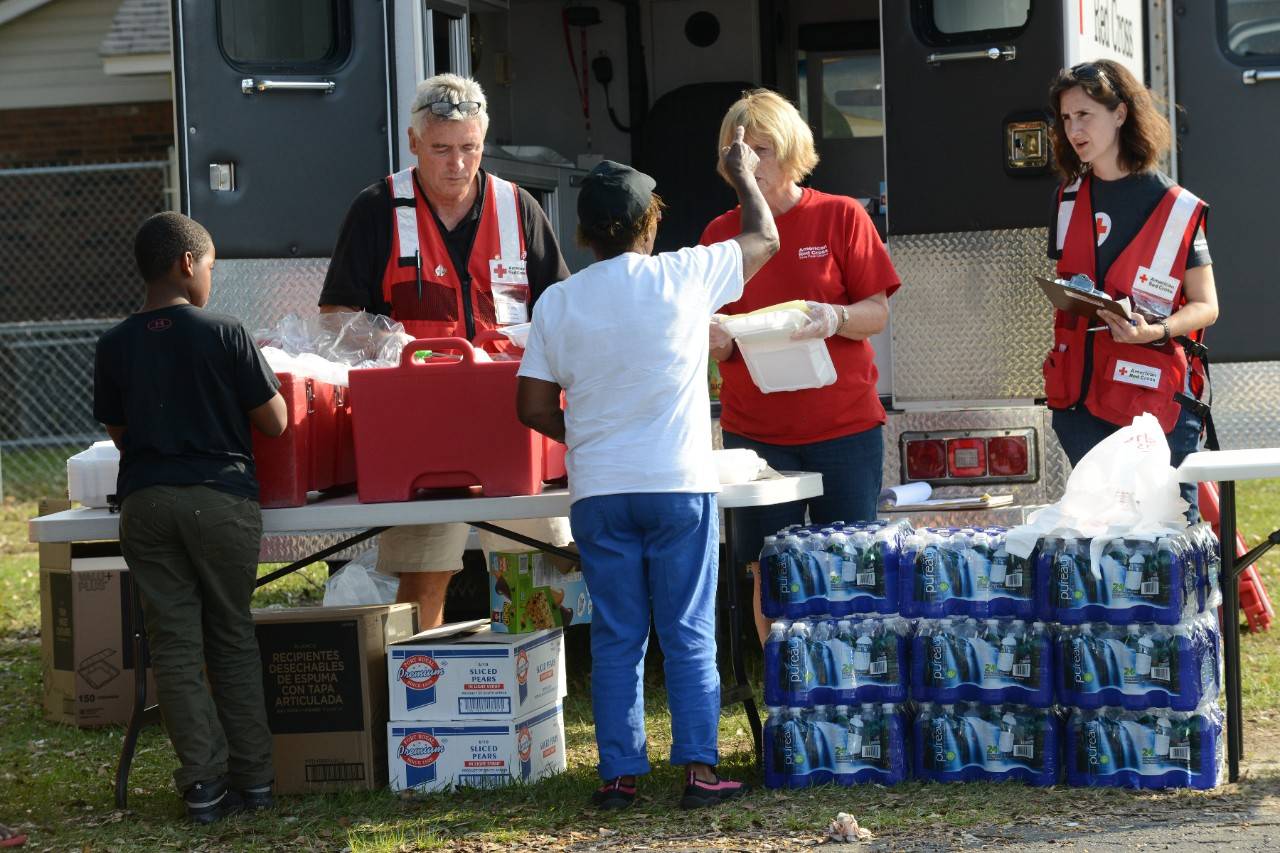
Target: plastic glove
{"x":718,"y":336}
{"x":822,"y":323}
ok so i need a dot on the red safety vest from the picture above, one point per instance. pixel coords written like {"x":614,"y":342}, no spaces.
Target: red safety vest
{"x":499,"y":284}
{"x":1126,"y":379}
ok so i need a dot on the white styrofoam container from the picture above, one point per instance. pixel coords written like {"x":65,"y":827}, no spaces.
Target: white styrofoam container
{"x":775,"y":362}
{"x":441,"y":674}
{"x":91,"y":474}
{"x":475,"y":753}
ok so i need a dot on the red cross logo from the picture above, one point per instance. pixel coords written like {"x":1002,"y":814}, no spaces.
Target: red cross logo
{"x":1124,"y":371}
{"x":1101,"y":226}
{"x":500,"y":271}
{"x":1143,"y":278}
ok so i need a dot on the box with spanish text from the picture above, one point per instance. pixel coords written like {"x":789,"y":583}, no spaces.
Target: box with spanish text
{"x":464,"y":672}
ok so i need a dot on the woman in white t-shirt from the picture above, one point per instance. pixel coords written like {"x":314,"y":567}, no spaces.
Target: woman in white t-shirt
{"x":626,"y":341}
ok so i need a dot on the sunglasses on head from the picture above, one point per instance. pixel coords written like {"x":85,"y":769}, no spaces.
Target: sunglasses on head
{"x":444,"y":108}
{"x":1089,"y":71}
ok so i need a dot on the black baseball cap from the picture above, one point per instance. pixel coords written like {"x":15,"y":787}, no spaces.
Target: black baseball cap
{"x":613,"y":192}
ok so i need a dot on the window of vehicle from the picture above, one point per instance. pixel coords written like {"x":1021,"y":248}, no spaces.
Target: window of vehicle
{"x":304,"y":36}
{"x":944,"y":22}
{"x":852,"y":104}
{"x":1250,"y":29}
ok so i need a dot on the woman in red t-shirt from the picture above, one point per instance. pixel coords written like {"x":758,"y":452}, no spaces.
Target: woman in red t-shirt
{"x":833,"y":258}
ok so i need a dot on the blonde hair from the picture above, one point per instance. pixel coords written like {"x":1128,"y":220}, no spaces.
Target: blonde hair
{"x":767,"y":115}
{"x":451,"y":88}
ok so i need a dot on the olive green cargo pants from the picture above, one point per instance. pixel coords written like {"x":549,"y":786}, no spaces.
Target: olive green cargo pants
{"x":193,"y":552}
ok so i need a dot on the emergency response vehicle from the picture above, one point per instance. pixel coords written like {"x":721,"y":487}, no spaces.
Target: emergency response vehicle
{"x":931,"y":111}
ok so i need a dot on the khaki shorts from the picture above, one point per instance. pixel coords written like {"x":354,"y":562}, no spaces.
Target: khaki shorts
{"x":439,"y":547}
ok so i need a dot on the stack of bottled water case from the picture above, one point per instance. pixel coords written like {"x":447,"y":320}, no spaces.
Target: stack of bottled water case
{"x":982,"y":659}
{"x":1139,"y":661}
{"x":836,"y":661}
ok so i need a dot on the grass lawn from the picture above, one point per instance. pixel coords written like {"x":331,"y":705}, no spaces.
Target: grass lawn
{"x":56,"y":782}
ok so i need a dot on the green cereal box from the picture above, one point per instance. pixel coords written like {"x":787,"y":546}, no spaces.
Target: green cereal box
{"x":530,"y":590}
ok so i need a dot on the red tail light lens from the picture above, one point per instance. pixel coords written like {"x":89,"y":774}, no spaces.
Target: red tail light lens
{"x":967,"y":457}
{"x":1008,"y":456}
{"x":926,"y":459}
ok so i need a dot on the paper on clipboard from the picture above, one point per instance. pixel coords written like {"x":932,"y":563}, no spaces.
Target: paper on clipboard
{"x":916,"y":497}
{"x":1067,"y":298}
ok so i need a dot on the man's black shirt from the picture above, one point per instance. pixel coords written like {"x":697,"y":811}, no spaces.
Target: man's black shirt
{"x":181,"y":381}
{"x":364,"y":247}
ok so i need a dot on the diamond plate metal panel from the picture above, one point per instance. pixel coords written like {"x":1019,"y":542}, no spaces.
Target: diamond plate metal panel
{"x":260,"y":291}
{"x":1246,"y":403}
{"x":1052,"y":478}
{"x":969,"y":322}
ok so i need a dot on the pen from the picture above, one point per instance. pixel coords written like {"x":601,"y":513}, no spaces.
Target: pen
{"x":417,"y":263}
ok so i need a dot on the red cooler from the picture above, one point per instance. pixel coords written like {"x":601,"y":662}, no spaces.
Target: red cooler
{"x":316,"y":450}
{"x":444,"y":422}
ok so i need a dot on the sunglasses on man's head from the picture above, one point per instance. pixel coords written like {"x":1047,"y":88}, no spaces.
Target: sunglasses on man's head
{"x":444,"y":108}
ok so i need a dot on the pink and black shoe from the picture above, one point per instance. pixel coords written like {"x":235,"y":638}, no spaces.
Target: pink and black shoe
{"x":699,"y":794}
{"x":615,"y":794}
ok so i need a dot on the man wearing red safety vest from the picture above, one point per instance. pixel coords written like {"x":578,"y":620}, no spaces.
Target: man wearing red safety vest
{"x":449,"y":251}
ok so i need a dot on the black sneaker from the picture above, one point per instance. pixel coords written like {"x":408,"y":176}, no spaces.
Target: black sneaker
{"x":699,"y":794}
{"x":614,"y":794}
{"x":209,"y":802}
{"x":257,"y":798}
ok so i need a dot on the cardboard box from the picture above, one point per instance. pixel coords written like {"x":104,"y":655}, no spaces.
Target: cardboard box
{"x":476,"y":753}
{"x":324,"y":676}
{"x":531,"y":590}
{"x":463,"y":671}
{"x":86,"y":633}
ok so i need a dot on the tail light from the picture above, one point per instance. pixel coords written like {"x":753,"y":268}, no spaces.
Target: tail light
{"x":958,"y":457}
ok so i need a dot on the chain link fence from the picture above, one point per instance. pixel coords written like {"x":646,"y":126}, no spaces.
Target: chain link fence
{"x":66,"y":275}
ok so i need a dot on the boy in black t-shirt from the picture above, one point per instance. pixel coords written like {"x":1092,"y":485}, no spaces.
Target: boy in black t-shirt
{"x":177,"y":389}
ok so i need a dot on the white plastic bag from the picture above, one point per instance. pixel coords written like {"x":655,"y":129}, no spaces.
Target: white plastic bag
{"x":1124,"y":485}
{"x":358,"y":583}
{"x":738,"y":465}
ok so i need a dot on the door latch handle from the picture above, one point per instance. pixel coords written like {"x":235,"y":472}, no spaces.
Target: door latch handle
{"x":1008,"y":53}
{"x":1253,"y":76}
{"x":250,"y":86}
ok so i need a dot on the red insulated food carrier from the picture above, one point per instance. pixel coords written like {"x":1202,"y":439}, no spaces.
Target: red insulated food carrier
{"x":315,"y":452}
{"x":445,"y":422}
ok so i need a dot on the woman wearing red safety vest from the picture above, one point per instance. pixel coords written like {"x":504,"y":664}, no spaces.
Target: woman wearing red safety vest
{"x":1136,"y":234}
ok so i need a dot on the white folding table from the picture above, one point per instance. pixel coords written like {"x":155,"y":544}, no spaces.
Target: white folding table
{"x":1226,"y":467}
{"x":348,"y":514}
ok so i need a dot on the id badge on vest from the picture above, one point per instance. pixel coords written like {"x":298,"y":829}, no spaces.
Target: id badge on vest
{"x":509,"y":283}
{"x":1153,"y":294}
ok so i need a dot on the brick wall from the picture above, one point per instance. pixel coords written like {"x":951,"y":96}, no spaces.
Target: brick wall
{"x":98,"y":133}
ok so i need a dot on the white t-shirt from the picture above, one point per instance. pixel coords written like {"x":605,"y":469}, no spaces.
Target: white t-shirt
{"x":626,"y":339}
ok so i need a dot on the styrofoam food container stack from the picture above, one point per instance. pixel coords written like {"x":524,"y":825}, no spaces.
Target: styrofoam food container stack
{"x":775,"y":362}
{"x":517,"y":333}
{"x":91,"y":474}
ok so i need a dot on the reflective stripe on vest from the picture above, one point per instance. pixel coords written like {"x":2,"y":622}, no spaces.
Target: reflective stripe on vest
{"x":406,"y":213}
{"x":1066,"y":206}
{"x":504,"y":196}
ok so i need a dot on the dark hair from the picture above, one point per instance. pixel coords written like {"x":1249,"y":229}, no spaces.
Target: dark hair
{"x":1145,"y":135}
{"x":612,"y":238}
{"x":163,"y":239}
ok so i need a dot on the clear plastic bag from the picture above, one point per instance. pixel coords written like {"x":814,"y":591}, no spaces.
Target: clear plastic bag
{"x":355,"y":340}
{"x":359,"y":583}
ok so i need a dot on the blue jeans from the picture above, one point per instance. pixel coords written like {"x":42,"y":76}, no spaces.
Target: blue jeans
{"x":1078,"y":431}
{"x":651,"y":555}
{"x":852,"y":469}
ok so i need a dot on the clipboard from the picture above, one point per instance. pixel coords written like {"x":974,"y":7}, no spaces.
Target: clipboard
{"x":1066,"y":298}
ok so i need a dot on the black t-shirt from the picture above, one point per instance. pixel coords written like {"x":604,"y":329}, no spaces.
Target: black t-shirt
{"x":181,"y":381}
{"x":1124,"y":206}
{"x":364,"y":247}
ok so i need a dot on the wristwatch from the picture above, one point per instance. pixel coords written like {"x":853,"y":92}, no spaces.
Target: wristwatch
{"x":1163,"y":339}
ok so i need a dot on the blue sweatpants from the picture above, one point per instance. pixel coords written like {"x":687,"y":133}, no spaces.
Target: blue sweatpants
{"x":651,"y":555}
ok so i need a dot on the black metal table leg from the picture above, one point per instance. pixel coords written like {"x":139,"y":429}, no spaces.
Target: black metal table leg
{"x":741,"y":690}
{"x":1231,"y":627}
{"x":139,"y":712}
